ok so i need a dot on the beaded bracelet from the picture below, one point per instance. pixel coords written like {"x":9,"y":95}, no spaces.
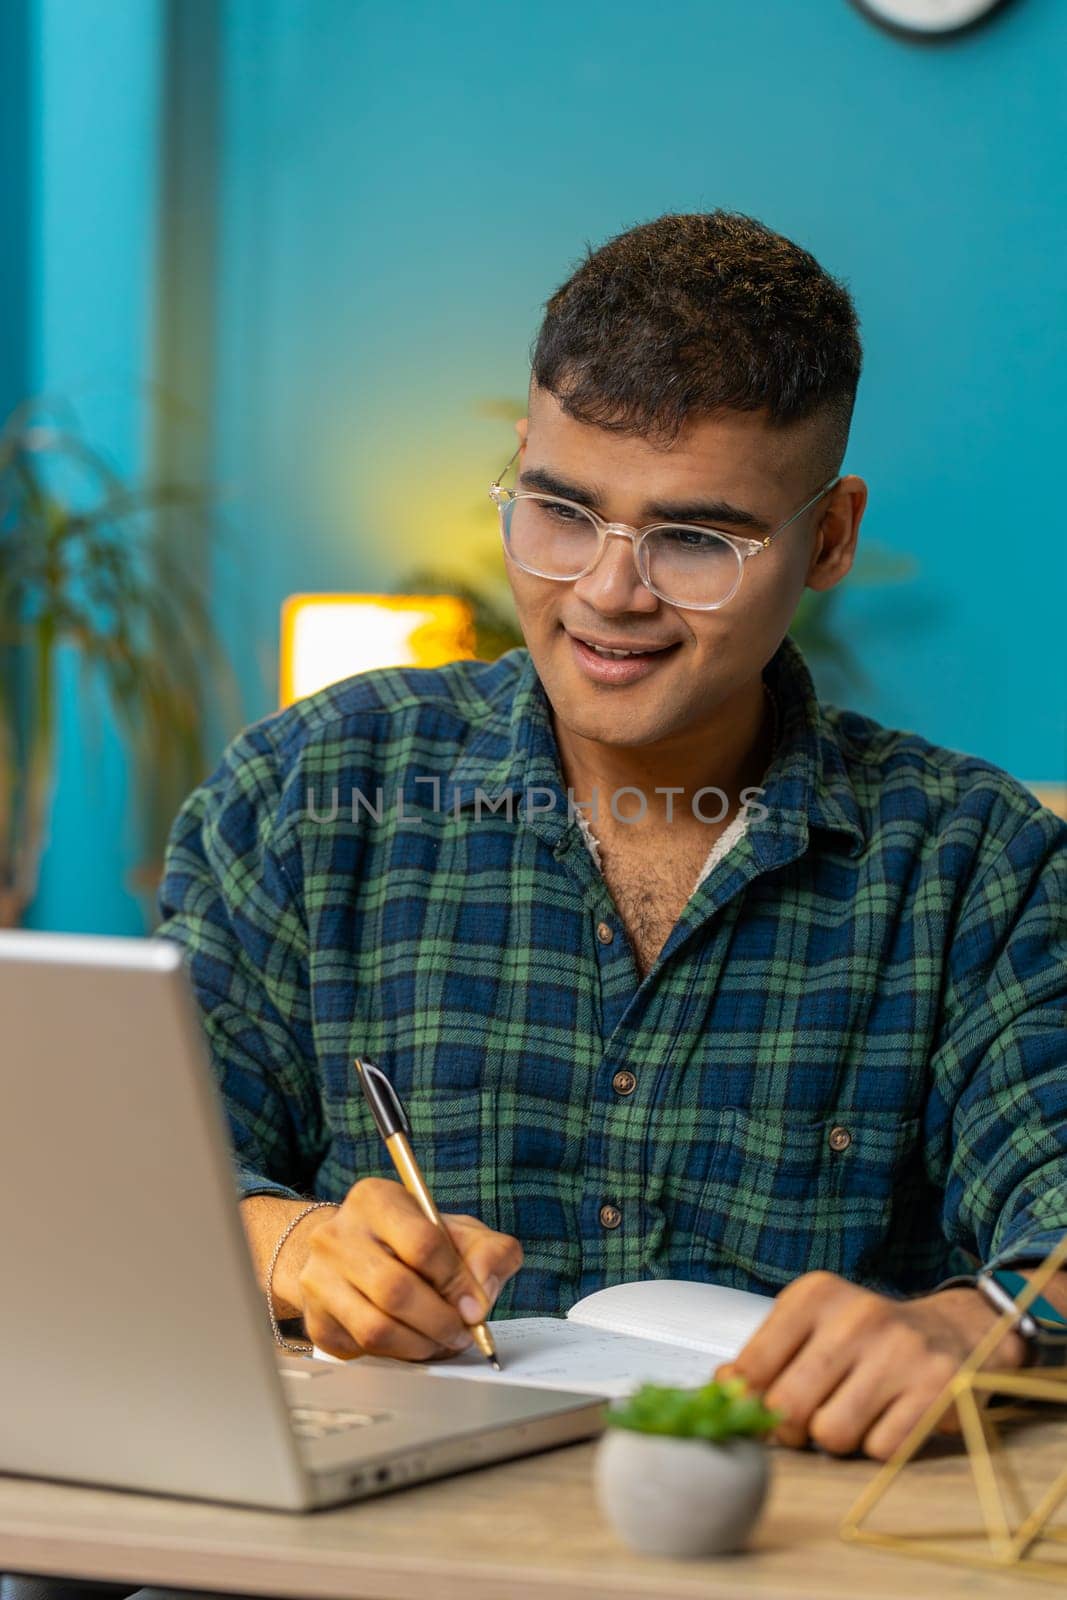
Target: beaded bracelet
{"x":279,"y":1339}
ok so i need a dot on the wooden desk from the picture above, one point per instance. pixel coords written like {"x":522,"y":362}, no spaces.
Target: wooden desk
{"x":524,"y":1530}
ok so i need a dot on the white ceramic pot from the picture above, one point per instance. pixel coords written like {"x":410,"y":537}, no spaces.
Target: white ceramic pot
{"x":680,"y":1497}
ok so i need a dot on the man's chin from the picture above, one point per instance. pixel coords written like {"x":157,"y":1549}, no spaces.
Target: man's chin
{"x":629,"y":720}
{"x":612,"y":736}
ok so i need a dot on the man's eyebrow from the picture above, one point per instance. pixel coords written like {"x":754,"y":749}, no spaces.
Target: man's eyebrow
{"x":717,"y":512}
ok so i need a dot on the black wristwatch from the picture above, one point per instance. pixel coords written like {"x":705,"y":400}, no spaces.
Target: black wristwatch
{"x":1041,"y":1326}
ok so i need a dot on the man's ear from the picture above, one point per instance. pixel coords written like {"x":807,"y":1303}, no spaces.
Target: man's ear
{"x":521,"y":428}
{"x":834,"y":547}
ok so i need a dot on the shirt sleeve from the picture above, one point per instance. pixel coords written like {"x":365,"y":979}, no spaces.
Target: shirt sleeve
{"x":227,"y":898}
{"x":1001,"y":1065}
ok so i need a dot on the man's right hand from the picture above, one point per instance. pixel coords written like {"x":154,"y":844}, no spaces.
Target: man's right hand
{"x":378,"y":1279}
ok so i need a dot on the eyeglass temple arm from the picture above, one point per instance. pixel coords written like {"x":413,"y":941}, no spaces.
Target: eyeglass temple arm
{"x":496,"y":481}
{"x":761,"y":544}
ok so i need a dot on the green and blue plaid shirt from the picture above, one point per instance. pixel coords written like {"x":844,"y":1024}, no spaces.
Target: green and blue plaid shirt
{"x":850,"y":1054}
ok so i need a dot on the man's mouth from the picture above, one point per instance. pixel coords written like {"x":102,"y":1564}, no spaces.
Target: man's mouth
{"x":621,"y":655}
{"x":618,"y":652}
{"x":615,"y":661}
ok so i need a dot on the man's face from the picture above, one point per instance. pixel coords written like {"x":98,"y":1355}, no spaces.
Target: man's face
{"x":701,"y":657}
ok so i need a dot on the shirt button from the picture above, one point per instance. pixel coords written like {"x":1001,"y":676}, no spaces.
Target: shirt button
{"x":604,"y":932}
{"x":610,"y":1216}
{"x":840,"y":1139}
{"x":624,"y":1083}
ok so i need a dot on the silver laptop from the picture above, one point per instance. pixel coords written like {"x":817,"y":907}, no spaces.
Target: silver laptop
{"x":135,"y":1349}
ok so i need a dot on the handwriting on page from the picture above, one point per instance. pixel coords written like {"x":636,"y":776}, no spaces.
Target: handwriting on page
{"x":565,"y":1355}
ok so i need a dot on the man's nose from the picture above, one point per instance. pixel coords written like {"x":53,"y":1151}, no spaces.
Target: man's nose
{"x":615,"y":583}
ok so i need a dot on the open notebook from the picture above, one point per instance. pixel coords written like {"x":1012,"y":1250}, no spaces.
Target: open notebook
{"x":662,"y":1330}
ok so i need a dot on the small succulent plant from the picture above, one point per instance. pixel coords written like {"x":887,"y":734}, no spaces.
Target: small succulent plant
{"x":715,"y":1411}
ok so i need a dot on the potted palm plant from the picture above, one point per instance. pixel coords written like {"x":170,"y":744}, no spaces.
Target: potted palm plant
{"x":90,"y":563}
{"x":683,"y":1472}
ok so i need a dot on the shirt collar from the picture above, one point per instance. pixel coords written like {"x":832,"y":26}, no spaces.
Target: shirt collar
{"x":806,"y":786}
{"x":513,"y":751}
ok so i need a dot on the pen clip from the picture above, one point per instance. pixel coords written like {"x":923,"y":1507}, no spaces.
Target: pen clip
{"x":383,"y":1100}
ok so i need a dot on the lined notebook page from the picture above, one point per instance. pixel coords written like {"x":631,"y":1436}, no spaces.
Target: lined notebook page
{"x":553,"y":1353}
{"x":661,"y":1331}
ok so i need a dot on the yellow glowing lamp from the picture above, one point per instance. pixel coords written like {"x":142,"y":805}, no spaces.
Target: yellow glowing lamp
{"x":327,"y":637}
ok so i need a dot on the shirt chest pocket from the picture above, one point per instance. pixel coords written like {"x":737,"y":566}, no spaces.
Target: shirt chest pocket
{"x":787,"y":1196}
{"x":453,"y":1137}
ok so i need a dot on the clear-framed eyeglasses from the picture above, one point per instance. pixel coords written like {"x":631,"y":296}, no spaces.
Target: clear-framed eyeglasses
{"x":686,"y":564}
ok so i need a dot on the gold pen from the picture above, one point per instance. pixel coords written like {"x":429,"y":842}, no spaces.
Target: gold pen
{"x":394,"y":1127}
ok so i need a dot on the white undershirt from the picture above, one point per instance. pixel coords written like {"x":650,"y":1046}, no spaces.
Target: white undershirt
{"x":735,"y":830}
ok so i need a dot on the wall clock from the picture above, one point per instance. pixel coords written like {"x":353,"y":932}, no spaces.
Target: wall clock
{"x":928,"y":19}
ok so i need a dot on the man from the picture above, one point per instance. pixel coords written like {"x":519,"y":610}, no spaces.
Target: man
{"x":678,"y":972}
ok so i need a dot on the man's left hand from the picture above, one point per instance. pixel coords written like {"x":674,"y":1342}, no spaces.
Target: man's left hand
{"x":851,"y":1369}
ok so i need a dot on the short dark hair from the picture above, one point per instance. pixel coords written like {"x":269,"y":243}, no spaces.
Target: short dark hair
{"x":697,"y":313}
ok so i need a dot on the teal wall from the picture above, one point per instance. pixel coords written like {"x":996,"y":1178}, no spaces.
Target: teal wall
{"x":398,"y":191}
{"x":93,"y":72}
{"x":399,"y":200}
{"x":14,"y":202}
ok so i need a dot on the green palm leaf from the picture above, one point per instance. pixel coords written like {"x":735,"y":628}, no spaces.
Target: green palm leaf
{"x":82,"y":564}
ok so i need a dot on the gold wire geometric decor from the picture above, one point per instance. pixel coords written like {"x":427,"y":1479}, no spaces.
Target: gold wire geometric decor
{"x":1011,"y":1527}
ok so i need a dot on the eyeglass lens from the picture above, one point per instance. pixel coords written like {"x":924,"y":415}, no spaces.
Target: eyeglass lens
{"x":686,"y":565}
